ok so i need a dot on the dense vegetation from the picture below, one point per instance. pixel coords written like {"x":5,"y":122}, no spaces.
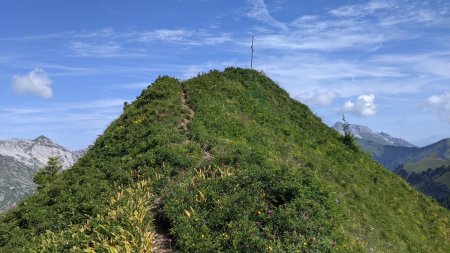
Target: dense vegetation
{"x":125,"y":225}
{"x":433,"y":179}
{"x":46,"y":175}
{"x":138,"y":145}
{"x":253,"y":171}
{"x":392,"y":156}
{"x":425,"y":168}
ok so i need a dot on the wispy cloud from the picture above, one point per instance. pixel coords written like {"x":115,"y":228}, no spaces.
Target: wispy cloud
{"x":175,"y":35}
{"x":433,"y":63}
{"x":95,"y":49}
{"x":302,"y":73}
{"x":103,"y":33}
{"x":359,"y":10}
{"x":106,"y":40}
{"x":36,"y":83}
{"x":199,"y":37}
{"x":331,"y":41}
{"x":350,"y":28}
{"x":260,"y":12}
{"x":84,"y":116}
{"x":130,"y":86}
{"x":350,"y":50}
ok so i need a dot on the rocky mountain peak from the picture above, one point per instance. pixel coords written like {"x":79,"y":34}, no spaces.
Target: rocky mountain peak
{"x":364,"y":132}
{"x":43,"y":140}
{"x":20,"y":159}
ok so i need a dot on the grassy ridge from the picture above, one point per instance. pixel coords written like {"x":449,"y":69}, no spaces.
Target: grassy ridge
{"x":249,"y":123}
{"x":256,"y":196}
{"x":277,"y":179}
{"x":429,"y":162}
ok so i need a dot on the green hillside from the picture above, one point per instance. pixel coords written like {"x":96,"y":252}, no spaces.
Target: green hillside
{"x":393,"y":156}
{"x":430,"y":175}
{"x":432,"y":161}
{"x":227,"y":162}
{"x":427,"y":168}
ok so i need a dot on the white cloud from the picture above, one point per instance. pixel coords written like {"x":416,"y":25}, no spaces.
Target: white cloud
{"x":108,"y":49}
{"x":305,"y":72}
{"x":316,"y":97}
{"x":357,"y":10}
{"x":164,"y":35}
{"x":440,"y":104}
{"x":363,"y":106}
{"x":332,"y":40}
{"x":92,"y":114}
{"x":130,"y":86}
{"x":200,"y":37}
{"x":260,"y":12}
{"x":36,"y":82}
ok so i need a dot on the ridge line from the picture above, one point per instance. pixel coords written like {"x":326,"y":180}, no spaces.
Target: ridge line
{"x":187,"y":120}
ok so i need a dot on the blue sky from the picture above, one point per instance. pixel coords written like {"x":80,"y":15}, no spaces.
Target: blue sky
{"x":66,"y":67}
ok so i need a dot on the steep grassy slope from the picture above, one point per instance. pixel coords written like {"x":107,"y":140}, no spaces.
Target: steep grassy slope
{"x":125,"y":225}
{"x":426,"y":169}
{"x":430,"y":175}
{"x":247,"y":121}
{"x":140,"y":144}
{"x":251,"y":171}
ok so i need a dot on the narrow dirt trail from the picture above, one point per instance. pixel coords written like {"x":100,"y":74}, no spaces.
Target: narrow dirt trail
{"x":185,"y":122}
{"x":163,"y":242}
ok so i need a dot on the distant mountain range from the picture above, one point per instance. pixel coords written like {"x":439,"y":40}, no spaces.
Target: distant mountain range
{"x":426,"y":168}
{"x":20,"y":159}
{"x":369,"y":136}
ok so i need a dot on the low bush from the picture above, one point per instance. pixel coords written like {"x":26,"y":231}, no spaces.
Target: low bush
{"x":124,"y":226}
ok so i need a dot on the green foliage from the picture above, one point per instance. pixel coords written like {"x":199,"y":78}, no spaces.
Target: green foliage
{"x":229,"y":209}
{"x":393,"y":156}
{"x":47,"y":174}
{"x":124,"y":226}
{"x":432,"y":161}
{"x":255,"y":171}
{"x":248,"y":124}
{"x":142,"y":143}
{"x":348,"y":138}
{"x":434,"y":182}
{"x":421,"y":167}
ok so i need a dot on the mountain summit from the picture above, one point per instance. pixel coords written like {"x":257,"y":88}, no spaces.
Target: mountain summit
{"x":363,"y":132}
{"x":224,"y":162}
{"x":20,"y":159}
{"x":44,"y":140}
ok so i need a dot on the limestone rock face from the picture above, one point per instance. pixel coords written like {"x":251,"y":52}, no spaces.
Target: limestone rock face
{"x":363,"y":132}
{"x":20,"y":159}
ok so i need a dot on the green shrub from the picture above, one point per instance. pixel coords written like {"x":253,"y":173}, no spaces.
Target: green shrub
{"x":227,"y":209}
{"x":124,"y":226}
{"x":47,"y":174}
